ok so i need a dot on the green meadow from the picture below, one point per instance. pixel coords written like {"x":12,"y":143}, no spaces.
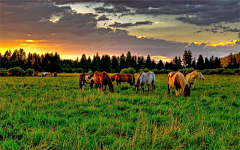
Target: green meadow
{"x":52,"y":113}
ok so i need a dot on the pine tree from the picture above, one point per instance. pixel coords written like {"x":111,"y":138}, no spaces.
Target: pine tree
{"x":200,"y":63}
{"x":122,"y":62}
{"x":185,"y":58}
{"x":128,"y":59}
{"x":189,"y":58}
{"x":230,"y":60}
{"x":160,"y":65}
{"x":115,"y":65}
{"x":148,"y":63}
{"x":194,"y":63}
{"x":206,"y":63}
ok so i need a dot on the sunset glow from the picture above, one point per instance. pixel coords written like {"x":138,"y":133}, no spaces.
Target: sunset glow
{"x":158,"y":58}
{"x":232,"y":43}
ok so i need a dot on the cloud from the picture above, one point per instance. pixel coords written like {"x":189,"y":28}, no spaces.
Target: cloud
{"x":103,"y":18}
{"x":125,"y":25}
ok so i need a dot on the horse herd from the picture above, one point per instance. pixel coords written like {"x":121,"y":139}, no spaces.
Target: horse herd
{"x":176,"y":80}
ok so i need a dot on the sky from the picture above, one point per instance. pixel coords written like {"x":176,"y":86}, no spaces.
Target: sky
{"x":162,"y":29}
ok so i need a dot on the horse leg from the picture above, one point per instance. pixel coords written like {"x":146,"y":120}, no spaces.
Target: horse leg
{"x":180,"y":91}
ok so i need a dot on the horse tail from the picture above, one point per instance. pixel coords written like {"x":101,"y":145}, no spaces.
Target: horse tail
{"x":168,"y":89}
{"x":153,"y":82}
{"x":133,"y":79}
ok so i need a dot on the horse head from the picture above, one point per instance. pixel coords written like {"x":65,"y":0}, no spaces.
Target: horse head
{"x":187,"y":91}
{"x":200,"y":75}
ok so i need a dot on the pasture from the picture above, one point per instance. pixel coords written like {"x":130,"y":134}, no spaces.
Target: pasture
{"x":52,"y":113}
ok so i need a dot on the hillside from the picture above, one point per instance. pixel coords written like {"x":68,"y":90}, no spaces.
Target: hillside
{"x":224,"y":60}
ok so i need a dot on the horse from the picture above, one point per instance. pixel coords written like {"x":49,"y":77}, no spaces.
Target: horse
{"x":82,"y":79}
{"x":49,"y":73}
{"x":144,"y":79}
{"x":2,"y":74}
{"x":55,"y":74}
{"x":9,"y":73}
{"x":113,"y":77}
{"x":177,"y":80}
{"x":191,"y":78}
{"x":102,"y":78}
{"x":35,"y":74}
{"x":44,"y":74}
{"x":129,"y":78}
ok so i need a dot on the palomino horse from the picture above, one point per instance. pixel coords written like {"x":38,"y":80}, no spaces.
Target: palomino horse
{"x":129,"y":78}
{"x":191,"y":78}
{"x":86,"y":78}
{"x":102,"y":78}
{"x":9,"y":73}
{"x":35,"y":74}
{"x":144,"y":79}
{"x":176,"y":80}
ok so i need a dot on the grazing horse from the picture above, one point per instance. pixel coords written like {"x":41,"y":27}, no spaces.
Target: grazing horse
{"x":35,"y":74}
{"x":82,"y":79}
{"x":144,"y":79}
{"x":55,"y":74}
{"x":177,"y":80}
{"x":191,"y":78}
{"x":129,"y":78}
{"x":44,"y":74}
{"x":9,"y":73}
{"x":2,"y":74}
{"x":113,"y":77}
{"x":102,"y":78}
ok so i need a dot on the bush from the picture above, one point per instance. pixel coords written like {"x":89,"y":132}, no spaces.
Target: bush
{"x":213,"y":71}
{"x":79,"y":70}
{"x":155,"y":71}
{"x":128,"y":70}
{"x":90,"y":72}
{"x":15,"y":70}
{"x":3,"y":70}
{"x":30,"y":71}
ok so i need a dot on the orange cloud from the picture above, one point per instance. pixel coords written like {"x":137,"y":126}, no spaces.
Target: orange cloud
{"x":158,"y":58}
{"x":232,"y":43}
{"x":197,"y":43}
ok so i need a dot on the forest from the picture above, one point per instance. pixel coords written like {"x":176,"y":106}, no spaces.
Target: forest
{"x":113,"y":64}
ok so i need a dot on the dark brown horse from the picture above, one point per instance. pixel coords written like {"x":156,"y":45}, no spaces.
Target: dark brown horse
{"x":86,"y":78}
{"x":2,"y":74}
{"x":55,"y":74}
{"x":102,"y":78}
{"x":129,"y":78}
{"x":35,"y":74}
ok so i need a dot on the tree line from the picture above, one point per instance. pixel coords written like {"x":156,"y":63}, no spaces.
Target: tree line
{"x":53,"y":63}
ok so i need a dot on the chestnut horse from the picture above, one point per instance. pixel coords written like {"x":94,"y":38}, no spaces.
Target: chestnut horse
{"x":102,"y":78}
{"x":144,"y":79}
{"x":9,"y":73}
{"x":129,"y":78}
{"x":191,"y":78}
{"x":176,"y":80}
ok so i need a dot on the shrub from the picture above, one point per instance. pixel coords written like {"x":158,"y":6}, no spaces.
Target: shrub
{"x":128,"y":70}
{"x":213,"y":71}
{"x":90,"y":72}
{"x":14,"y":70}
{"x":3,"y":70}
{"x":156,"y":71}
{"x":79,"y":70}
{"x":30,"y":71}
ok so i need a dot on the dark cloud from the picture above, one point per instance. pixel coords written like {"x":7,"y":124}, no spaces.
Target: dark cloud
{"x":125,"y":25}
{"x":198,"y":12}
{"x":103,"y":18}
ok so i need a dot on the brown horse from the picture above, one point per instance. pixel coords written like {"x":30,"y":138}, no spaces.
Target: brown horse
{"x":35,"y":74}
{"x":9,"y":73}
{"x":176,"y":80}
{"x":55,"y":74}
{"x":129,"y":78}
{"x":2,"y":74}
{"x":82,"y":79}
{"x":113,"y":77}
{"x":101,"y":79}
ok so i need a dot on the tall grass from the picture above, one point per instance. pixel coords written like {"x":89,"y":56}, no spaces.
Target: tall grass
{"x":52,"y":113}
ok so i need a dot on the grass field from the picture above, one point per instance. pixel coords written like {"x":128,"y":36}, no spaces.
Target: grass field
{"x":52,"y":113}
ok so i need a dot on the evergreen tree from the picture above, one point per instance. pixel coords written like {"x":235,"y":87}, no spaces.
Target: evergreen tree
{"x":154,"y":66}
{"x":84,"y":63}
{"x":211,"y":62}
{"x":234,"y":62}
{"x":122,"y":62}
{"x":200,"y":63}
{"x":189,"y":59}
{"x":148,"y":63}
{"x":206,"y":63}
{"x":128,"y":60}
{"x":194,"y":63}
{"x":230,"y":60}
{"x":140,"y":63}
{"x":115,"y":65}
{"x":185,"y":58}
{"x":160,"y":65}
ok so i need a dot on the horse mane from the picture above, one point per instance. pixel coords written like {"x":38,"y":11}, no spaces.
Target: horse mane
{"x":139,"y":75}
{"x":90,"y":76}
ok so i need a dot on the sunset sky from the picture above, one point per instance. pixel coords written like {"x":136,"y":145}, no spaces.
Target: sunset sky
{"x":161,"y":28}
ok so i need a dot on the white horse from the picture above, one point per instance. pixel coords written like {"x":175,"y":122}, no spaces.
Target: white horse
{"x":144,"y":79}
{"x":191,"y":78}
{"x":176,"y":80}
